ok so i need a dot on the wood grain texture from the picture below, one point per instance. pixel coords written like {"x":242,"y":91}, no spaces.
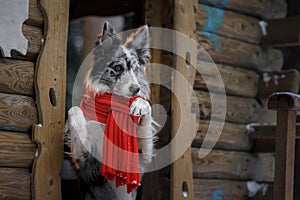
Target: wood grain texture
{"x":284,"y":101}
{"x":15,"y":184}
{"x":266,"y":9}
{"x":16,"y":77}
{"x":234,"y":165}
{"x":209,"y":189}
{"x":237,"y":81}
{"x":233,"y":137}
{"x":182,"y":120}
{"x":237,"y":53}
{"x":285,"y":155}
{"x":283,"y":81}
{"x":51,"y":75}
{"x":17,"y":113}
{"x":35,"y":14}
{"x":16,"y":149}
{"x":228,"y":24}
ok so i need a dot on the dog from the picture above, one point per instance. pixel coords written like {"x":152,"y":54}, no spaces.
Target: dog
{"x":118,"y":68}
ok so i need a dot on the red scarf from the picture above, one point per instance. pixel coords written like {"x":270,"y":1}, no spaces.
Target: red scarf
{"x":120,"y":148}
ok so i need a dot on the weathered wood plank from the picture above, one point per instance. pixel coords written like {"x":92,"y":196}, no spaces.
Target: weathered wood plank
{"x":285,"y":155}
{"x":50,"y":84}
{"x":209,"y":189}
{"x":233,"y":137}
{"x":234,"y":165}
{"x":237,"y":53}
{"x":267,"y":9}
{"x":16,"y":149}
{"x":16,"y":77}
{"x":284,"y":101}
{"x":227,"y":23}
{"x":15,"y":184}
{"x":35,"y":14}
{"x":237,"y":81}
{"x":17,"y":113}
{"x":34,"y":37}
{"x":283,"y":81}
{"x":181,"y":170}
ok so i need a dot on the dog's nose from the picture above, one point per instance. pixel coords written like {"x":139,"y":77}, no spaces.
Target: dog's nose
{"x":134,"y":89}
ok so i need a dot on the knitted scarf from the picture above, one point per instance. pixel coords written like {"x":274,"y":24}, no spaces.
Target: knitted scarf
{"x":120,"y":148}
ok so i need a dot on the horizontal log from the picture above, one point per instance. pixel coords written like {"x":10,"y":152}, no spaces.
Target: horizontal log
{"x":16,"y":149}
{"x":283,"y":81}
{"x":17,"y":113}
{"x":16,"y":77}
{"x":34,"y":37}
{"x":227,"y":23}
{"x":237,"y":53}
{"x":210,"y":189}
{"x":15,"y":184}
{"x":234,"y":165}
{"x":35,"y":14}
{"x":233,"y":137}
{"x":284,"y":101}
{"x":267,"y":9}
{"x":237,"y":81}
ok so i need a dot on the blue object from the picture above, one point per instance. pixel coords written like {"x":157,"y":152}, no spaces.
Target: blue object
{"x":217,"y":195}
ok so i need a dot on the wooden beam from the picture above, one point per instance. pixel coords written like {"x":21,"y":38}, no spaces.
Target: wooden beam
{"x":284,"y":101}
{"x":282,"y":81}
{"x":50,"y":93}
{"x":285,"y":155}
{"x":16,"y":77}
{"x":15,"y":184}
{"x":181,"y":171}
{"x":234,"y":165}
{"x":16,"y":149}
{"x":17,"y":113}
{"x":35,"y":14}
{"x":264,"y":9}
{"x":213,"y":189}
{"x":229,"y":24}
{"x":237,"y":53}
{"x":233,"y":137}
{"x":237,"y":81}
{"x":282,"y":32}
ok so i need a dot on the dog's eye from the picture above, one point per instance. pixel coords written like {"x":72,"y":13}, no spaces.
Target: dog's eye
{"x":118,"y":68}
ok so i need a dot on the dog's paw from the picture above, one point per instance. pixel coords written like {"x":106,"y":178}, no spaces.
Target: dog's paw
{"x":140,"y":107}
{"x":77,"y":124}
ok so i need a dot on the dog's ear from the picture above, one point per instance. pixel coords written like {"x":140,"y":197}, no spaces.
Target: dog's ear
{"x":108,"y":32}
{"x":139,"y":41}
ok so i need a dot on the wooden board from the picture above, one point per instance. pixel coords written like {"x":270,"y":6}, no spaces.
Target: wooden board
{"x":237,"y":81}
{"x":237,"y":53}
{"x":283,"y":81}
{"x":267,"y":9}
{"x":15,"y":184}
{"x":17,"y":113}
{"x":234,"y":165}
{"x":50,"y":88}
{"x":16,"y":77}
{"x":35,"y":14}
{"x":183,"y":121}
{"x":209,"y":189}
{"x":228,"y":24}
{"x":16,"y":149}
{"x":233,"y":137}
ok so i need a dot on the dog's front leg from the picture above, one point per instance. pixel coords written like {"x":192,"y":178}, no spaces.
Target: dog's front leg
{"x":145,"y":130}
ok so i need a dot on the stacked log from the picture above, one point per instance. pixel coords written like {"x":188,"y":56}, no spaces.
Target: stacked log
{"x":18,"y":111}
{"x":230,"y":33}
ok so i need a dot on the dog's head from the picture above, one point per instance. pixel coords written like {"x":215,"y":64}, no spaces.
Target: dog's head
{"x":119,"y":63}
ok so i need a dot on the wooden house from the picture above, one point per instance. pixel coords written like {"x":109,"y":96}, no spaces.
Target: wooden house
{"x":33,"y":75}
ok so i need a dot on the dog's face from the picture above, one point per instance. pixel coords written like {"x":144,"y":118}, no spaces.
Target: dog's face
{"x":119,"y":66}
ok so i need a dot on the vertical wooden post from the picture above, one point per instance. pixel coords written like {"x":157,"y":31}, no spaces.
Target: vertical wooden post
{"x":285,"y":155}
{"x":50,"y":88}
{"x":182,"y":174}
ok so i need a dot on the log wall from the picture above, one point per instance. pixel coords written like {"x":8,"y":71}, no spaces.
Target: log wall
{"x":18,"y":111}
{"x":230,"y":33}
